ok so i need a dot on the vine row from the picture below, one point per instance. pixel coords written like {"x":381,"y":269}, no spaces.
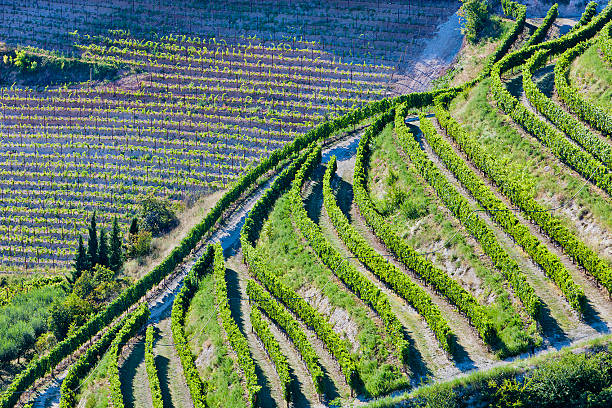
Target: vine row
{"x":501,"y":214}
{"x":152,"y":374}
{"x":197,"y":387}
{"x":285,"y":320}
{"x":86,"y":362}
{"x":514,"y":190}
{"x":383,"y":269}
{"x":564,"y":121}
{"x":587,"y":111}
{"x":457,"y":295}
{"x":262,"y":330}
{"x":128,"y":330}
{"x":350,"y":276}
{"x":236,"y":339}
{"x":462,"y":209}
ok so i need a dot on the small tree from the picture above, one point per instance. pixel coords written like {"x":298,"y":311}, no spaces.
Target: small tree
{"x":92,"y":244}
{"x":80,"y":261}
{"x":134,"y":226}
{"x":141,"y":244}
{"x":115,"y":256}
{"x":103,"y":248}
{"x":476,"y":15}
{"x":157,"y":216}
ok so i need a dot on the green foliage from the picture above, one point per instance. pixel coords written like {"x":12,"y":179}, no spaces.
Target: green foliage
{"x":564,"y":150}
{"x":39,"y":366}
{"x":298,"y":305}
{"x":45,"y":342}
{"x":23,"y":62}
{"x":134,"y":226}
{"x":568,"y":153}
{"x":140,"y":244}
{"x":476,"y":16}
{"x":152,"y":374}
{"x":248,"y":236}
{"x":96,"y":285}
{"x":72,"y":312}
{"x":571,"y":380}
{"x":431,"y":274}
{"x":383,"y":269}
{"x":236,"y":339}
{"x":157,"y":216}
{"x":25,"y":318}
{"x":498,"y":211}
{"x":540,"y":33}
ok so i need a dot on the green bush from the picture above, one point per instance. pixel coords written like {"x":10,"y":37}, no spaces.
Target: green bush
{"x":157,"y":216}
{"x":25,"y":318}
{"x":476,"y":16}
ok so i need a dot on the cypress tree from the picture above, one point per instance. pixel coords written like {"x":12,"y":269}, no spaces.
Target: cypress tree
{"x":134,"y":226}
{"x":103,"y":248}
{"x":92,"y":244}
{"x":115,"y":256}
{"x":80,"y":261}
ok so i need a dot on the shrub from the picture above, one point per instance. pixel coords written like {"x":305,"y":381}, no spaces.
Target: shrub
{"x":157,"y":216}
{"x":476,"y":15}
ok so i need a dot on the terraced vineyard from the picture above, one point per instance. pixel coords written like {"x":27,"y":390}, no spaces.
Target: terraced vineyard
{"x":368,"y":240}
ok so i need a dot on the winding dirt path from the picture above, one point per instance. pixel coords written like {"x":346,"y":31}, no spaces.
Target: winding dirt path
{"x":133,"y":375}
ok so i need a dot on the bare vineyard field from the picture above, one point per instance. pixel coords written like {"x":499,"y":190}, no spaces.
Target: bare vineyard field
{"x":188,"y":113}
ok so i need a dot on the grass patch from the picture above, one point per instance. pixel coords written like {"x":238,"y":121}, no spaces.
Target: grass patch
{"x":96,"y":390}
{"x":298,"y":266}
{"x":224,"y":388}
{"x":401,"y":195}
{"x":593,"y":78}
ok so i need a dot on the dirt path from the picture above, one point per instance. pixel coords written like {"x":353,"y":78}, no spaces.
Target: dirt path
{"x":175,"y":392}
{"x":133,"y":375}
